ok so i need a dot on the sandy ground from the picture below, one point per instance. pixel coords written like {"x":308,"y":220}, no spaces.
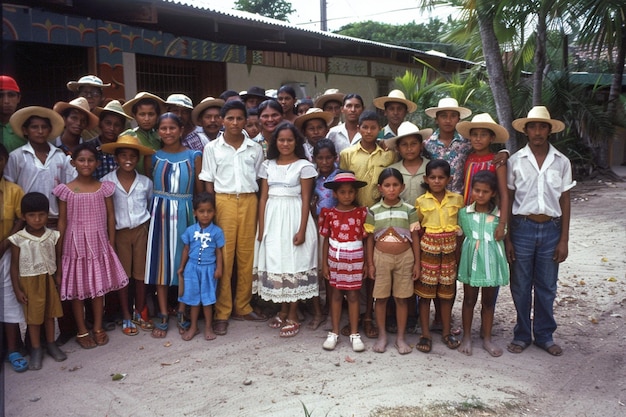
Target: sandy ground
{"x":253,"y":372}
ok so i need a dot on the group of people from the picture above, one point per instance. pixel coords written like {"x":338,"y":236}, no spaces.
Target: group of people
{"x":277,"y":197}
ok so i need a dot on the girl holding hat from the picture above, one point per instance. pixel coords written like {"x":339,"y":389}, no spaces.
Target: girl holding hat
{"x":343,"y":230}
{"x":482,"y":131}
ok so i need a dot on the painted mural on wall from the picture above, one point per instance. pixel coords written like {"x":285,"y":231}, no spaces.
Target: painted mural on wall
{"x":20,"y":23}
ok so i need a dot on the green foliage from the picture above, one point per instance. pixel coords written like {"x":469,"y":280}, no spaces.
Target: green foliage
{"x":423,"y":36}
{"x":276,"y":9}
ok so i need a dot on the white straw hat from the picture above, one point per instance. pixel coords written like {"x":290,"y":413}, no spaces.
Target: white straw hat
{"x":448,"y":103}
{"x":483,"y":121}
{"x":395,"y":96}
{"x":538,"y":114}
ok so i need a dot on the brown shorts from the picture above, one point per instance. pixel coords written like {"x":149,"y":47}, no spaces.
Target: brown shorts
{"x":393,"y":274}
{"x":131,"y":246}
{"x":44,"y":301}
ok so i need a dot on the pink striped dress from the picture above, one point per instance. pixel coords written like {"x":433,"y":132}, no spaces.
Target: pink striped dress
{"x":89,"y":264}
{"x":345,"y":233}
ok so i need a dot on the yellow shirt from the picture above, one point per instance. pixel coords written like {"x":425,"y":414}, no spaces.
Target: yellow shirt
{"x":436,"y":217}
{"x":367,"y":167}
{"x":10,"y":199}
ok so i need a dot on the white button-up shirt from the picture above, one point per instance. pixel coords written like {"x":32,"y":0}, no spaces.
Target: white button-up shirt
{"x":131,"y":208}
{"x":232,"y":171}
{"x":339,"y":136}
{"x":537,"y":190}
{"x":27,"y":171}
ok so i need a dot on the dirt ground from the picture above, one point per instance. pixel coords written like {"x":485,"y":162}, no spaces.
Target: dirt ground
{"x":253,"y":372}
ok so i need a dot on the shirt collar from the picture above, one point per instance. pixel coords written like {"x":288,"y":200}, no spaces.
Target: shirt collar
{"x":472,"y":209}
{"x":399,"y":204}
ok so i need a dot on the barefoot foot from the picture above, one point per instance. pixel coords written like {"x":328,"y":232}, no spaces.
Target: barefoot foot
{"x":493,"y":349}
{"x":466,"y":346}
{"x":190,"y":333}
{"x":208,"y":332}
{"x":402,"y":347}
{"x":381,"y":344}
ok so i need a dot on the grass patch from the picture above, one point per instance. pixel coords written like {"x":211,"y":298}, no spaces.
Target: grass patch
{"x":472,"y":407}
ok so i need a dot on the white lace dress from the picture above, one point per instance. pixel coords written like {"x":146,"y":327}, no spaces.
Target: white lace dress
{"x":286,"y":272}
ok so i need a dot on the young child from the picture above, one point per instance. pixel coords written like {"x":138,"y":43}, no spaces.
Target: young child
{"x":145,"y":108}
{"x":437,"y":211}
{"x":393,"y":255}
{"x":34,"y":256}
{"x":39,"y":166}
{"x":287,"y":250}
{"x":11,"y":313}
{"x":87,"y":224}
{"x":203,"y":245}
{"x":367,"y":160}
{"x":314,"y":127}
{"x":132,"y":197}
{"x":324,"y":157}
{"x":483,"y":260}
{"x":539,"y":181}
{"x":483,"y":131}
{"x":253,"y":127}
{"x":342,"y":228}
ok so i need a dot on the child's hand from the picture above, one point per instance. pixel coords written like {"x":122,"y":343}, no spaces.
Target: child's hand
{"x":500,"y":158}
{"x":57,"y":279}
{"x":218,"y":273}
{"x":260,"y":235}
{"x":326,"y":272}
{"x":417,"y":271}
{"x":371,"y":271}
{"x":298,"y":239}
{"x":180,"y":273}
{"x":500,"y":232}
{"x":21,"y":297}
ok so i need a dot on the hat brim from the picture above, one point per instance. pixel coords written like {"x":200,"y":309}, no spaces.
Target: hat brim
{"x":75,"y":85}
{"x":322,"y":100}
{"x":19,"y":117}
{"x":379,"y":103}
{"x":327,"y":117}
{"x":464,"y":129}
{"x":200,"y":108}
{"x":128,"y":106}
{"x":99,"y":110}
{"x":333,"y":185}
{"x":463,"y":111}
{"x":111,"y":147}
{"x":61,"y":106}
{"x":424,"y":133}
{"x":556,"y":125}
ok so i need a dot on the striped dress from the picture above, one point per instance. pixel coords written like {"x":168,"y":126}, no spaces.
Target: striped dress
{"x":474,"y":164}
{"x":171,"y":214}
{"x":345,"y":231}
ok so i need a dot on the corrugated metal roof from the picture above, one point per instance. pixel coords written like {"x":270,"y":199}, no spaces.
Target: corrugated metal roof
{"x":209,"y":6}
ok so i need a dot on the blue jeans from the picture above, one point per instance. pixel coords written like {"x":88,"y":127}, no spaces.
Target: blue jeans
{"x":534,"y":269}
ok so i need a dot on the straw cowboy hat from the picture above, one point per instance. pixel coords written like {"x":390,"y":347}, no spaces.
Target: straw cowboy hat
{"x":313,"y":113}
{"x":448,"y":103}
{"x":395,"y":96}
{"x":483,"y":121}
{"x":538,"y":114}
{"x":179,"y":100}
{"x":81,"y":105}
{"x":344,"y":177}
{"x":18,"y":119}
{"x":408,"y":129}
{"x":332,"y":94}
{"x":128,"y":106}
{"x":205,"y":104}
{"x":127,"y":139}
{"x":90,"y":80}
{"x":113,"y":106}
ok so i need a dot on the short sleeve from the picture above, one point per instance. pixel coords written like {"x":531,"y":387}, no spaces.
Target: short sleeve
{"x":62,"y":192}
{"x":264,"y":168}
{"x":55,"y":236}
{"x":324,"y":222}
{"x":219,"y":238}
{"x":108,"y":188}
{"x":187,"y":235}
{"x":308,"y":170}
{"x":208,"y":164}
{"x":369,"y":222}
{"x":362,"y":216}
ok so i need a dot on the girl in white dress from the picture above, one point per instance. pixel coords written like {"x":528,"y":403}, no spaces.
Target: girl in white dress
{"x":287,"y":249}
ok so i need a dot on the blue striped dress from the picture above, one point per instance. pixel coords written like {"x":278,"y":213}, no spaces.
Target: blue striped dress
{"x":173,"y":175}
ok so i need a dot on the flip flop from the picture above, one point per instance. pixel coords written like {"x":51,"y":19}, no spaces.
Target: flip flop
{"x":276,"y":322}
{"x":18,"y":362}
{"x":516,"y":346}
{"x":424,"y":345}
{"x":551,"y":347}
{"x":450,"y":341}
{"x":290,"y":329}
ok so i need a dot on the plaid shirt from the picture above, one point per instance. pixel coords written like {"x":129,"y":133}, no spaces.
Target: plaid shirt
{"x":107,"y":161}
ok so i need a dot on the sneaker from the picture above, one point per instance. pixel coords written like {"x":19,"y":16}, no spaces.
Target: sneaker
{"x":331,"y":341}
{"x":357,"y":343}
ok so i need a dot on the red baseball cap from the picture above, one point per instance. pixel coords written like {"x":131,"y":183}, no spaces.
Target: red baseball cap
{"x":8,"y":84}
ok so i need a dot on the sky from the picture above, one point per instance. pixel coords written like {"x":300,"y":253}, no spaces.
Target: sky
{"x":342,"y":12}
